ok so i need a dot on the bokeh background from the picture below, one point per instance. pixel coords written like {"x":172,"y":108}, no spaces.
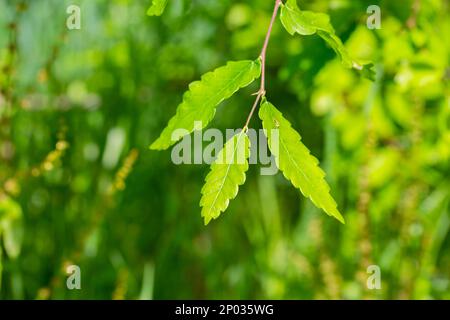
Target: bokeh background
{"x":78,"y":184}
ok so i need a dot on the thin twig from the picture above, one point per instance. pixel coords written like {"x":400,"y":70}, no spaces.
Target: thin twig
{"x":266,"y":43}
{"x":262,"y":89}
{"x":258,"y":97}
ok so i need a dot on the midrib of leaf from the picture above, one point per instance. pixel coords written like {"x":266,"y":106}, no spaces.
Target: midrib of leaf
{"x":219,"y":190}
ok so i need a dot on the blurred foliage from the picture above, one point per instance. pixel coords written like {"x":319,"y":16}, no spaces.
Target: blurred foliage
{"x":78,"y":185}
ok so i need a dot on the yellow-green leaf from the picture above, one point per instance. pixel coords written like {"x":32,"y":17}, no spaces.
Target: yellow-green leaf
{"x":226,"y":175}
{"x":295,"y":160}
{"x":157,"y":7}
{"x":306,"y":23}
{"x":200,"y":102}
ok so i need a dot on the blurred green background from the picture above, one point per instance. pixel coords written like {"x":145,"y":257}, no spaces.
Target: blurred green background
{"x":78,"y":184}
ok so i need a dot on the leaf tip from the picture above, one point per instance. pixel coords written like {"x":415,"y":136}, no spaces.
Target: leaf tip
{"x":151,"y":12}
{"x":158,"y":145}
{"x":339,"y":217}
{"x":206,"y":219}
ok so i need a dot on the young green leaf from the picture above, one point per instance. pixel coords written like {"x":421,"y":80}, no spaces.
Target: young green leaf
{"x":295,"y":160}
{"x":226,"y":175}
{"x":157,"y":7}
{"x":200,"y":102}
{"x":307,"y":23}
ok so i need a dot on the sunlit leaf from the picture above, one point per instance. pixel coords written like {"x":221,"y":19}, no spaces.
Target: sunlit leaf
{"x":304,"y":22}
{"x":200,"y":102}
{"x":295,"y":160}
{"x":226,"y":175}
{"x":307,"y":23}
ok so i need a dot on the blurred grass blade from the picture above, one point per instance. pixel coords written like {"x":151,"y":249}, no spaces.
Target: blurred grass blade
{"x":1,"y":264}
{"x":11,"y":226}
{"x":148,"y":282}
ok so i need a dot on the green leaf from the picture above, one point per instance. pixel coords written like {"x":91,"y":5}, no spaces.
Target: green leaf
{"x":200,"y":102}
{"x":226,"y":175}
{"x":157,"y":7}
{"x":307,"y":23}
{"x":303,"y":22}
{"x":295,"y":160}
